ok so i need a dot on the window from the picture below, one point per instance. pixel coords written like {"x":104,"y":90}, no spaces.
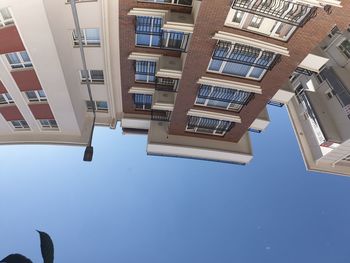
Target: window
{"x":90,"y":37}
{"x":5,"y":17}
{"x":224,"y":98}
{"x":5,"y":98}
{"x":20,"y":125}
{"x":237,"y":17}
{"x":241,"y":60}
{"x":142,"y":101}
{"x":208,"y":126}
{"x":266,"y":22}
{"x":145,"y":71}
{"x":345,"y":48}
{"x":36,"y":95}
{"x":148,"y":31}
{"x":100,"y":106}
{"x":19,"y":60}
{"x":286,"y":11}
{"x":256,"y":21}
{"x":175,"y":2}
{"x":93,"y":76}
{"x":49,"y":124}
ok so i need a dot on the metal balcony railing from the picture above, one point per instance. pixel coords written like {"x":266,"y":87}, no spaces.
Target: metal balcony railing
{"x":246,"y":55}
{"x":276,"y":104}
{"x":166,"y":84}
{"x":159,"y":115}
{"x":209,"y":125}
{"x":304,"y":71}
{"x":224,"y":94}
{"x":281,"y":10}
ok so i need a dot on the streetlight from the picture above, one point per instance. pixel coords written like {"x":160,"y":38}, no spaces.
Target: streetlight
{"x":89,"y":150}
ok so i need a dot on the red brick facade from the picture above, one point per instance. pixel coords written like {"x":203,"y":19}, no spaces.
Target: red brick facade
{"x":211,"y":19}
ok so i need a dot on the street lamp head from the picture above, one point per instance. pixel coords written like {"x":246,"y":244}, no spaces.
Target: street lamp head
{"x":89,"y":151}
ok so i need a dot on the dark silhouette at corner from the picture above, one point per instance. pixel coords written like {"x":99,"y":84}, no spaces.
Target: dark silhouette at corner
{"x":47,"y":251}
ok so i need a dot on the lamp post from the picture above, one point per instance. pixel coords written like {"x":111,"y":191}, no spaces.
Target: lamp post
{"x":89,"y":150}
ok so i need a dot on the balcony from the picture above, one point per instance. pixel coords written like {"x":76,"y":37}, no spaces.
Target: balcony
{"x":285,"y":11}
{"x":159,"y":115}
{"x":164,"y":101}
{"x":161,"y":143}
{"x":166,"y":84}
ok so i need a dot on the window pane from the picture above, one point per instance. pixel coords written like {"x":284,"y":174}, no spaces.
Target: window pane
{"x":215,"y":65}
{"x":5,"y":13}
{"x":102,"y":105}
{"x":41,"y":94}
{"x":96,"y":74}
{"x":13,"y":58}
{"x":25,"y":56}
{"x":92,"y":35}
{"x":143,"y":39}
{"x":31,"y":95}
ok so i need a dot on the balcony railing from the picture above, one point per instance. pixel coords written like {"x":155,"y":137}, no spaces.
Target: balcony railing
{"x":159,"y":115}
{"x":281,"y":10}
{"x":276,"y":104}
{"x":207,"y":125}
{"x":246,"y":55}
{"x":166,"y":84}
{"x":304,"y":71}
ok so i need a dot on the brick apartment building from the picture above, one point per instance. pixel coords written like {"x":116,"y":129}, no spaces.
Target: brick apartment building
{"x":195,"y":76}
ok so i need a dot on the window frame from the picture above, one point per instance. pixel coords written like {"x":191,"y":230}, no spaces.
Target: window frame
{"x":51,"y":124}
{"x":6,"y":22}
{"x":97,"y":107}
{"x":90,"y":77}
{"x":149,"y":77}
{"x":7,"y":99}
{"x":85,"y":41}
{"x":22,"y":63}
{"x":143,"y":106}
{"x":37,"y":94}
{"x":24,"y":126}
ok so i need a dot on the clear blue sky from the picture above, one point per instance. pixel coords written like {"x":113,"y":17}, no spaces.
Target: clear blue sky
{"x":128,"y":207}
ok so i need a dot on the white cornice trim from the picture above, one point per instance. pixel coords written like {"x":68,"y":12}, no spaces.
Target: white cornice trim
{"x":140,"y":90}
{"x":233,"y":38}
{"x":148,"y":12}
{"x":230,"y":84}
{"x":214,"y":115}
{"x":144,"y":56}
